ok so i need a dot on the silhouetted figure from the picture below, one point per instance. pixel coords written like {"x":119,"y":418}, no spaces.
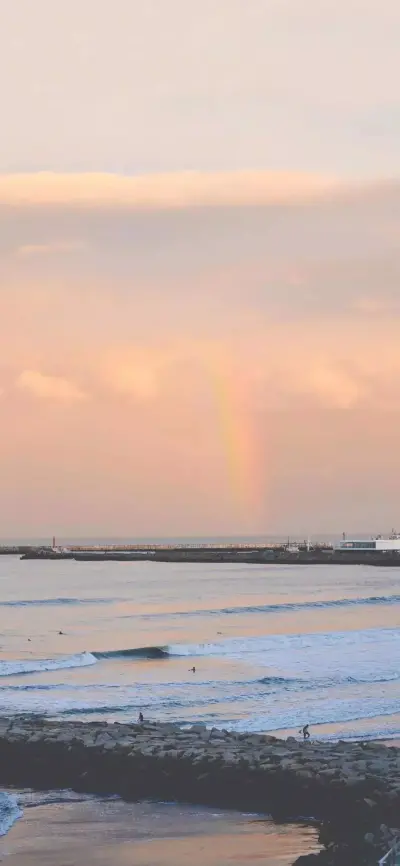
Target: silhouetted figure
{"x":140,"y":719}
{"x":192,"y":670}
{"x":60,"y":632}
{"x":305,"y":732}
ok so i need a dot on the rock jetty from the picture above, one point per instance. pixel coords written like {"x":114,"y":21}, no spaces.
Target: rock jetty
{"x":351,"y":789}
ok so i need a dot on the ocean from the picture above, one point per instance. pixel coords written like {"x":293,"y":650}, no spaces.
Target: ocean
{"x":274,"y":647}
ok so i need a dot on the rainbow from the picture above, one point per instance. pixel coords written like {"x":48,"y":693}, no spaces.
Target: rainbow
{"x":236,"y":433}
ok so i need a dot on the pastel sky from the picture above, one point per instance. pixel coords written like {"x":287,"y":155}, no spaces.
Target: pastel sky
{"x":199,"y":267}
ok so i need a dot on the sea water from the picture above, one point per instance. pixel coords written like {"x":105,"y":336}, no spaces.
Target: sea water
{"x":274,"y":646}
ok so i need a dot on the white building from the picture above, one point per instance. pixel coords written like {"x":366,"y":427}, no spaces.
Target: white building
{"x":368,"y":545}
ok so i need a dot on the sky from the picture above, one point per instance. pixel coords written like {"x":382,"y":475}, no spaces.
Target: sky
{"x":199,"y":267}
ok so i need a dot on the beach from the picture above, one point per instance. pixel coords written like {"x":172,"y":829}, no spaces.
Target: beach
{"x":350,"y":790}
{"x":99,"y":832}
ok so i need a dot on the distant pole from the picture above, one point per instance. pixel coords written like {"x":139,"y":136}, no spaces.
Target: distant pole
{"x":54,"y":541}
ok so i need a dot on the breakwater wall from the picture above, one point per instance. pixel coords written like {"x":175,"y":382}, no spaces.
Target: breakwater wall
{"x":260,"y":556}
{"x":352,"y":790}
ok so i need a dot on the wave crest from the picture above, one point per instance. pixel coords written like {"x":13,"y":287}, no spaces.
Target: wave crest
{"x":19,"y":667}
{"x":53,"y":602}
{"x":301,"y":605}
{"x":146,"y":652}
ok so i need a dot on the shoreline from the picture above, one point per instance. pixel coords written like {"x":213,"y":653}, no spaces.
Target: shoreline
{"x":98,"y":832}
{"x":350,"y":789}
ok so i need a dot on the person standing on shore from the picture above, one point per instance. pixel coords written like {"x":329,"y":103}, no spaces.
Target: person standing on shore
{"x":305,"y":732}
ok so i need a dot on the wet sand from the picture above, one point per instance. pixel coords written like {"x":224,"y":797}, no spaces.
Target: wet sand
{"x":98,"y":833}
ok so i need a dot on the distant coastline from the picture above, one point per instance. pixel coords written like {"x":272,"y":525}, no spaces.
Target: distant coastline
{"x":300,"y":553}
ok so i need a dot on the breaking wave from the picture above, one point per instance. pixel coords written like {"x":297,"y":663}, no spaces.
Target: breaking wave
{"x":144,"y":652}
{"x":19,"y":667}
{"x":9,"y":812}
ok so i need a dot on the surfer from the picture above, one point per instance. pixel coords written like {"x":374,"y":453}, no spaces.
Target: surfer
{"x":60,"y":632}
{"x":305,"y":732}
{"x":192,"y":670}
{"x":140,"y":719}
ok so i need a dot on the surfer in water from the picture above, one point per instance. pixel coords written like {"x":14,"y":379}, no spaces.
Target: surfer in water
{"x":192,"y":670}
{"x":305,"y":732}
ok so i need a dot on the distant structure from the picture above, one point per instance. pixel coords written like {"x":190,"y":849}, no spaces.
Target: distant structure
{"x":370,"y":545}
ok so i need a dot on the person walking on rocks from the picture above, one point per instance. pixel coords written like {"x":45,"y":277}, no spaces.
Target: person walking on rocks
{"x":305,"y":732}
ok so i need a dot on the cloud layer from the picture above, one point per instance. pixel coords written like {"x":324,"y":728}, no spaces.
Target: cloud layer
{"x":164,"y":191}
{"x":54,"y":388}
{"x":198,"y":354}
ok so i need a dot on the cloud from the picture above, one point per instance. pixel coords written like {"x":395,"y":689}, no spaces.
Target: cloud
{"x":273,"y":368}
{"x":142,"y":371}
{"x":333,"y":386}
{"x":165,"y":191}
{"x":49,"y":387}
{"x":28,"y":250}
{"x":135,"y":378}
{"x":232,"y":354}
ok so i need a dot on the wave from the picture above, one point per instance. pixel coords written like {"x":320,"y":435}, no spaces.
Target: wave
{"x":274,"y":683}
{"x":89,"y":710}
{"x":144,"y":652}
{"x":266,"y":645}
{"x":326,"y":682}
{"x":19,"y":667}
{"x":295,"y":606}
{"x":9,"y":812}
{"x":51,"y":687}
{"x":52,"y":602}
{"x":30,"y":799}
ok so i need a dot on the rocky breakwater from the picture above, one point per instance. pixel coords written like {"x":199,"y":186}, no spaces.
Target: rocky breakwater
{"x":352,"y":790}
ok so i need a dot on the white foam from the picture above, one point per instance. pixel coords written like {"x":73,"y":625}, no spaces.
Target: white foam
{"x":29,"y":798}
{"x":371,"y":654}
{"x":9,"y":812}
{"x":25,"y":666}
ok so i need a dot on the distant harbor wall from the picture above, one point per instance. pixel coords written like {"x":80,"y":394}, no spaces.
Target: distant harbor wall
{"x":259,"y":555}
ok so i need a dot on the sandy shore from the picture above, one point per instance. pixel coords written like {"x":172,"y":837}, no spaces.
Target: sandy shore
{"x":100,"y":833}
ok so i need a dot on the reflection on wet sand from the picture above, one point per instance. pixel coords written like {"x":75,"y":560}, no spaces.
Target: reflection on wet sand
{"x":98,"y":833}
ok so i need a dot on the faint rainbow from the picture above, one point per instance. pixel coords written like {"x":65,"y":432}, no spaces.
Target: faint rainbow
{"x":237,"y":437}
